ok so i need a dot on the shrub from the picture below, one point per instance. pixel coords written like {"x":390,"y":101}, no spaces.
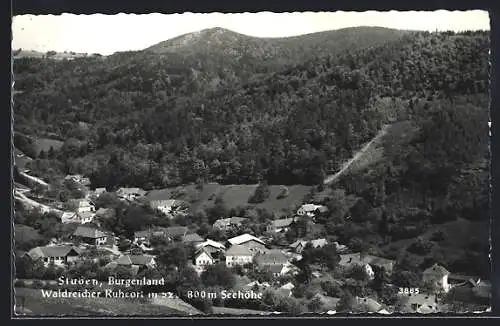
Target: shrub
{"x":283,"y":193}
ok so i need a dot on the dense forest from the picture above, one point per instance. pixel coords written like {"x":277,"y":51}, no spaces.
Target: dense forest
{"x":152,"y":120}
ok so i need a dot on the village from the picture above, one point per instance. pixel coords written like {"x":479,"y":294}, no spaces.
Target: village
{"x":312,"y":271}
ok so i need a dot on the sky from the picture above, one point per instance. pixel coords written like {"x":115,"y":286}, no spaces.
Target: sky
{"x":106,"y":34}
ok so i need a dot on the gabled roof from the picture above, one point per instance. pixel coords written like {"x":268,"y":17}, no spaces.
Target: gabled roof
{"x":134,"y":260}
{"x":244,"y":238}
{"x":360,"y":259}
{"x":282,"y":222}
{"x":436,"y":271}
{"x":88,"y":232}
{"x":273,"y":256}
{"x":192,"y":237}
{"x":175,"y":231}
{"x":275,"y":268}
{"x":211,"y":243}
{"x":369,"y":304}
{"x":202,"y":250}
{"x":235,"y":220}
{"x":313,"y":207}
{"x":131,"y":191}
{"x":238,"y":250}
{"x":297,"y":243}
{"x":82,"y":202}
{"x":52,"y":251}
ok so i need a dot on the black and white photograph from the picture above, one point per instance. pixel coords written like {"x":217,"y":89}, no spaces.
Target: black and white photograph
{"x":251,"y":164}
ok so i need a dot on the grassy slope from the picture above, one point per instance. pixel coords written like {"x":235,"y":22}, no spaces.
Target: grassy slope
{"x":87,"y":306}
{"x":46,"y":143}
{"x":235,"y":195}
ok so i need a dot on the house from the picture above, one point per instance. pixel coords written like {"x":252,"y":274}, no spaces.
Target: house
{"x":280,"y":225}
{"x":471,"y":291}
{"x":232,"y":223}
{"x":286,"y":289}
{"x":211,"y":246}
{"x":193,"y":238}
{"x":252,"y":243}
{"x":99,"y":191}
{"x":105,"y":213}
{"x":60,"y":255}
{"x":298,"y":245}
{"x":276,"y":270}
{"x":80,"y":205}
{"x":349,"y":260}
{"x":238,"y":255}
{"x":419,"y":303}
{"x":78,"y":178}
{"x":203,"y":258}
{"x":367,"y":305}
{"x":169,"y":206}
{"x":436,"y":278}
{"x":146,"y":235}
{"x":311,"y":210}
{"x":319,"y":243}
{"x":271,"y":257}
{"x":136,"y":263}
{"x":176,"y":232}
{"x":327,"y":303}
{"x":90,"y":235}
{"x":130,"y":194}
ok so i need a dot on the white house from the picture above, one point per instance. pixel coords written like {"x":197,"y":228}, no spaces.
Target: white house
{"x":311,"y":209}
{"x":203,"y":258}
{"x":81,"y":218}
{"x":254,"y":244}
{"x":81,"y":205}
{"x":436,"y":277}
{"x":238,"y":255}
{"x":168,"y":206}
{"x":130,"y":194}
{"x":211,"y":246}
{"x":90,"y":235}
{"x":58,"y":255}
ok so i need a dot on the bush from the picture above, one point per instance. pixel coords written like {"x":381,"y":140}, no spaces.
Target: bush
{"x":261,"y":193}
{"x":283,"y":193}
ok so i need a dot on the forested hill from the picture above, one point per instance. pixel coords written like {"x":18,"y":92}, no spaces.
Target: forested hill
{"x":267,"y":54}
{"x":151,"y":124}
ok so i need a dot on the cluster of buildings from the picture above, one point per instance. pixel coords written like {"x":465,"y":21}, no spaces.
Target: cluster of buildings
{"x":243,"y":250}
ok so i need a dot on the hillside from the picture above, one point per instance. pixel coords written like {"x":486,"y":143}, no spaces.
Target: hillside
{"x":291,"y":127}
{"x":265,"y":54}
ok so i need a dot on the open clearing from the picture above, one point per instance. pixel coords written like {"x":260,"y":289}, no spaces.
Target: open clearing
{"x":234,"y":196}
{"x":46,"y":143}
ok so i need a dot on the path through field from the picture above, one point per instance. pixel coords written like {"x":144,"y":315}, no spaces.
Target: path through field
{"x":331,"y":178}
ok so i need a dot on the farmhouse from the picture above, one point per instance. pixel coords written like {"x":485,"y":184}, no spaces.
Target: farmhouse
{"x":280,"y":225}
{"x":176,"y":232}
{"x":146,"y":235}
{"x":80,"y":205}
{"x":419,"y":303}
{"x":193,"y":238}
{"x":271,"y":257}
{"x":203,"y":258}
{"x":211,"y":245}
{"x":349,"y":260}
{"x":130,"y":194}
{"x":311,"y":210}
{"x":81,"y":218}
{"x":99,"y":191}
{"x":436,"y":277}
{"x":252,"y":243}
{"x":136,"y":260}
{"x":78,"y":178}
{"x":90,"y":235}
{"x":169,"y":206}
{"x":238,"y":255}
{"x":232,"y":223}
{"x":58,"y":255}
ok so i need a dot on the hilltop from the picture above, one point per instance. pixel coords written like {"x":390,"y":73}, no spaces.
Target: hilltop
{"x":277,"y":52}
